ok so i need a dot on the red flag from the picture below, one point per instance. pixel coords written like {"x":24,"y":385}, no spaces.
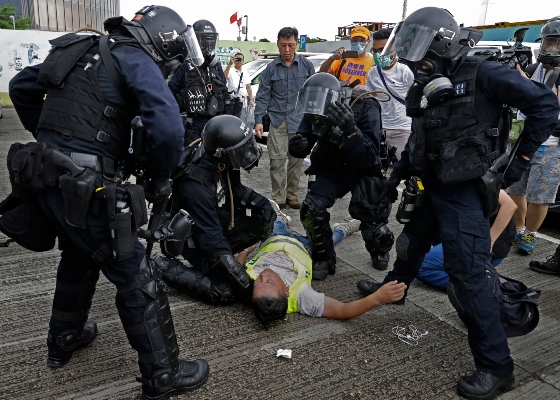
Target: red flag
{"x":239,"y":22}
{"x":233,"y":18}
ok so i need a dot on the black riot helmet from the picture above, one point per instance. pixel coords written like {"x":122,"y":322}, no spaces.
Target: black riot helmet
{"x":549,"y":52}
{"x":317,"y":94}
{"x":172,"y":39}
{"x":207,"y":36}
{"x":229,"y":140}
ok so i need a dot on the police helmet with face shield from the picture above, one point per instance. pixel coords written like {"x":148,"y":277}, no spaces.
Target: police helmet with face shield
{"x":229,"y":140}
{"x":207,"y":36}
{"x":428,"y":40}
{"x":317,"y":94}
{"x":172,"y":39}
{"x":549,"y":52}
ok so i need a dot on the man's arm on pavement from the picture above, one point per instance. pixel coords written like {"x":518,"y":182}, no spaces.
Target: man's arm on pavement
{"x":507,"y":208}
{"x":388,"y":293}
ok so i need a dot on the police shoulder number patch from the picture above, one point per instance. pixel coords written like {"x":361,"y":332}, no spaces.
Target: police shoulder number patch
{"x":460,"y":88}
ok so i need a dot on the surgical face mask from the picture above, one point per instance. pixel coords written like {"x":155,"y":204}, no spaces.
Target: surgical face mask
{"x":360,"y":47}
{"x":382,"y":61}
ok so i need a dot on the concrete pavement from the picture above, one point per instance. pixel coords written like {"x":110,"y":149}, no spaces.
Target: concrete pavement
{"x":358,"y":359}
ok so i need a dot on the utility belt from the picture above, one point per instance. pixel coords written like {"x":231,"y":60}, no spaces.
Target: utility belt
{"x":81,"y":177}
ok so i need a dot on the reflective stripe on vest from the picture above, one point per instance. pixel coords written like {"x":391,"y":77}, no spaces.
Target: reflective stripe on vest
{"x":295,"y":252}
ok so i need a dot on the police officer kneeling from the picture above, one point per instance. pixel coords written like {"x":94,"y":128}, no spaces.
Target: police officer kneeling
{"x":347,"y":151}
{"x":94,"y":87}
{"x":228,"y":216}
{"x":457,"y":134}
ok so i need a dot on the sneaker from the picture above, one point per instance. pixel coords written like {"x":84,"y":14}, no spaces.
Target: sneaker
{"x":527,"y":244}
{"x":481,"y":385}
{"x":286,"y":219}
{"x":295,"y":204}
{"x":349,"y":227}
{"x":368,"y":287}
{"x":517,"y":238}
{"x":550,"y":267}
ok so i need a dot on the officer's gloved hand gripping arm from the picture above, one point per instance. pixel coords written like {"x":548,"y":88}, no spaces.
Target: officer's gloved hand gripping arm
{"x":160,"y":116}
{"x":505,"y":85}
{"x":401,"y":170}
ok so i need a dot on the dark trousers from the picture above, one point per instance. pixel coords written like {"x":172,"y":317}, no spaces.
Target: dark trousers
{"x":455,"y":213}
{"x":76,"y":265}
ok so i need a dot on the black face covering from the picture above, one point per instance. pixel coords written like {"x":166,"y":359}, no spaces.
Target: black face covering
{"x":427,"y":69}
{"x":549,"y":62}
{"x":321,"y":125}
{"x":168,"y":68}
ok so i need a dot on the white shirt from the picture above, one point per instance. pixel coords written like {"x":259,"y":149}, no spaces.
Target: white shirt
{"x":233,"y":83}
{"x":398,"y":79}
{"x":310,"y":302}
{"x":540,"y":75}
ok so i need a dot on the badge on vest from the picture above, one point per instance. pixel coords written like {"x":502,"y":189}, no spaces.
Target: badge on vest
{"x":460,"y":88}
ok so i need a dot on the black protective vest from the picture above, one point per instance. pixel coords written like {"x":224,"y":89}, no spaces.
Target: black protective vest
{"x":75,"y":106}
{"x":449,"y":139}
{"x":202,"y":91}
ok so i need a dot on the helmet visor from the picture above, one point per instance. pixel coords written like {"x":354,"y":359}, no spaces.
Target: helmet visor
{"x":409,"y":41}
{"x":207,"y":41}
{"x":550,"y":46}
{"x":315,"y":100}
{"x":244,"y":154}
{"x":193,"y":49}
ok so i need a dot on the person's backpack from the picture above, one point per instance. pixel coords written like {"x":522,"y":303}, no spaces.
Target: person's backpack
{"x":519,"y":310}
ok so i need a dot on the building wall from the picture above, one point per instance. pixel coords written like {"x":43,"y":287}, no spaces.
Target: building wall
{"x":69,"y":15}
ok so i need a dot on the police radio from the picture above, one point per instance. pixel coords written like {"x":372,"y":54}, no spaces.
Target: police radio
{"x":412,"y":198}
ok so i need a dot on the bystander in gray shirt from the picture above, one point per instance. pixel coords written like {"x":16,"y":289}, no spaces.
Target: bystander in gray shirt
{"x":278,"y":90}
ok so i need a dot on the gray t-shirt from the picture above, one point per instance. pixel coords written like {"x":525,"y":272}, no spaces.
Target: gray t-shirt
{"x":310,"y":302}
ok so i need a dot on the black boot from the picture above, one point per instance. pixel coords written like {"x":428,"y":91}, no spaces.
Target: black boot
{"x":315,"y":219}
{"x":367,"y":287}
{"x":69,"y":328}
{"x":191,"y":281}
{"x":146,"y":317}
{"x":482,"y":386}
{"x":551,"y":266}
{"x":380,"y":260}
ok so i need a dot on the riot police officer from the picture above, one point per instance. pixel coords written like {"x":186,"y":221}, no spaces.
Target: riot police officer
{"x":94,"y":86}
{"x":201,"y":91}
{"x":347,"y":150}
{"x":455,"y":105}
{"x":228,"y":216}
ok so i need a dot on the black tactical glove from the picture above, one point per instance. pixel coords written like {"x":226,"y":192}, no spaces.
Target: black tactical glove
{"x":268,"y":216}
{"x":515,"y":170}
{"x":390,"y":189}
{"x":298,"y":146}
{"x":343,"y":117}
{"x":156,"y":191}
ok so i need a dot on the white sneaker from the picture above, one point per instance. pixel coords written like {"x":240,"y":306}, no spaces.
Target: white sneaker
{"x":348,"y":227}
{"x":286,"y":219}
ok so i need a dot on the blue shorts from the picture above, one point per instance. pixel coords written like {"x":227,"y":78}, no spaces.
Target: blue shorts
{"x":540,"y":183}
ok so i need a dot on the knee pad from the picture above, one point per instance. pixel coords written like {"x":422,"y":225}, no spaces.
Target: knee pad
{"x":401,"y":246}
{"x":315,"y":219}
{"x":377,"y":237}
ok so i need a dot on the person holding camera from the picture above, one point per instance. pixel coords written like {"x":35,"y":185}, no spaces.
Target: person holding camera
{"x":238,"y":83}
{"x":201,"y":91}
{"x":456,"y":105}
{"x":351,"y":68}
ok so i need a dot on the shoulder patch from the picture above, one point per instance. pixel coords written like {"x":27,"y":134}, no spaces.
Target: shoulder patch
{"x":460,"y":88}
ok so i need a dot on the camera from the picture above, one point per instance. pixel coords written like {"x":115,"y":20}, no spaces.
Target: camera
{"x":238,"y":59}
{"x":517,"y":54}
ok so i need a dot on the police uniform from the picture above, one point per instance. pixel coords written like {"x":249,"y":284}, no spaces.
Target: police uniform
{"x":336,"y":170}
{"x":201,"y":93}
{"x":228,"y":216}
{"x":451,"y":146}
{"x":88,"y":118}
